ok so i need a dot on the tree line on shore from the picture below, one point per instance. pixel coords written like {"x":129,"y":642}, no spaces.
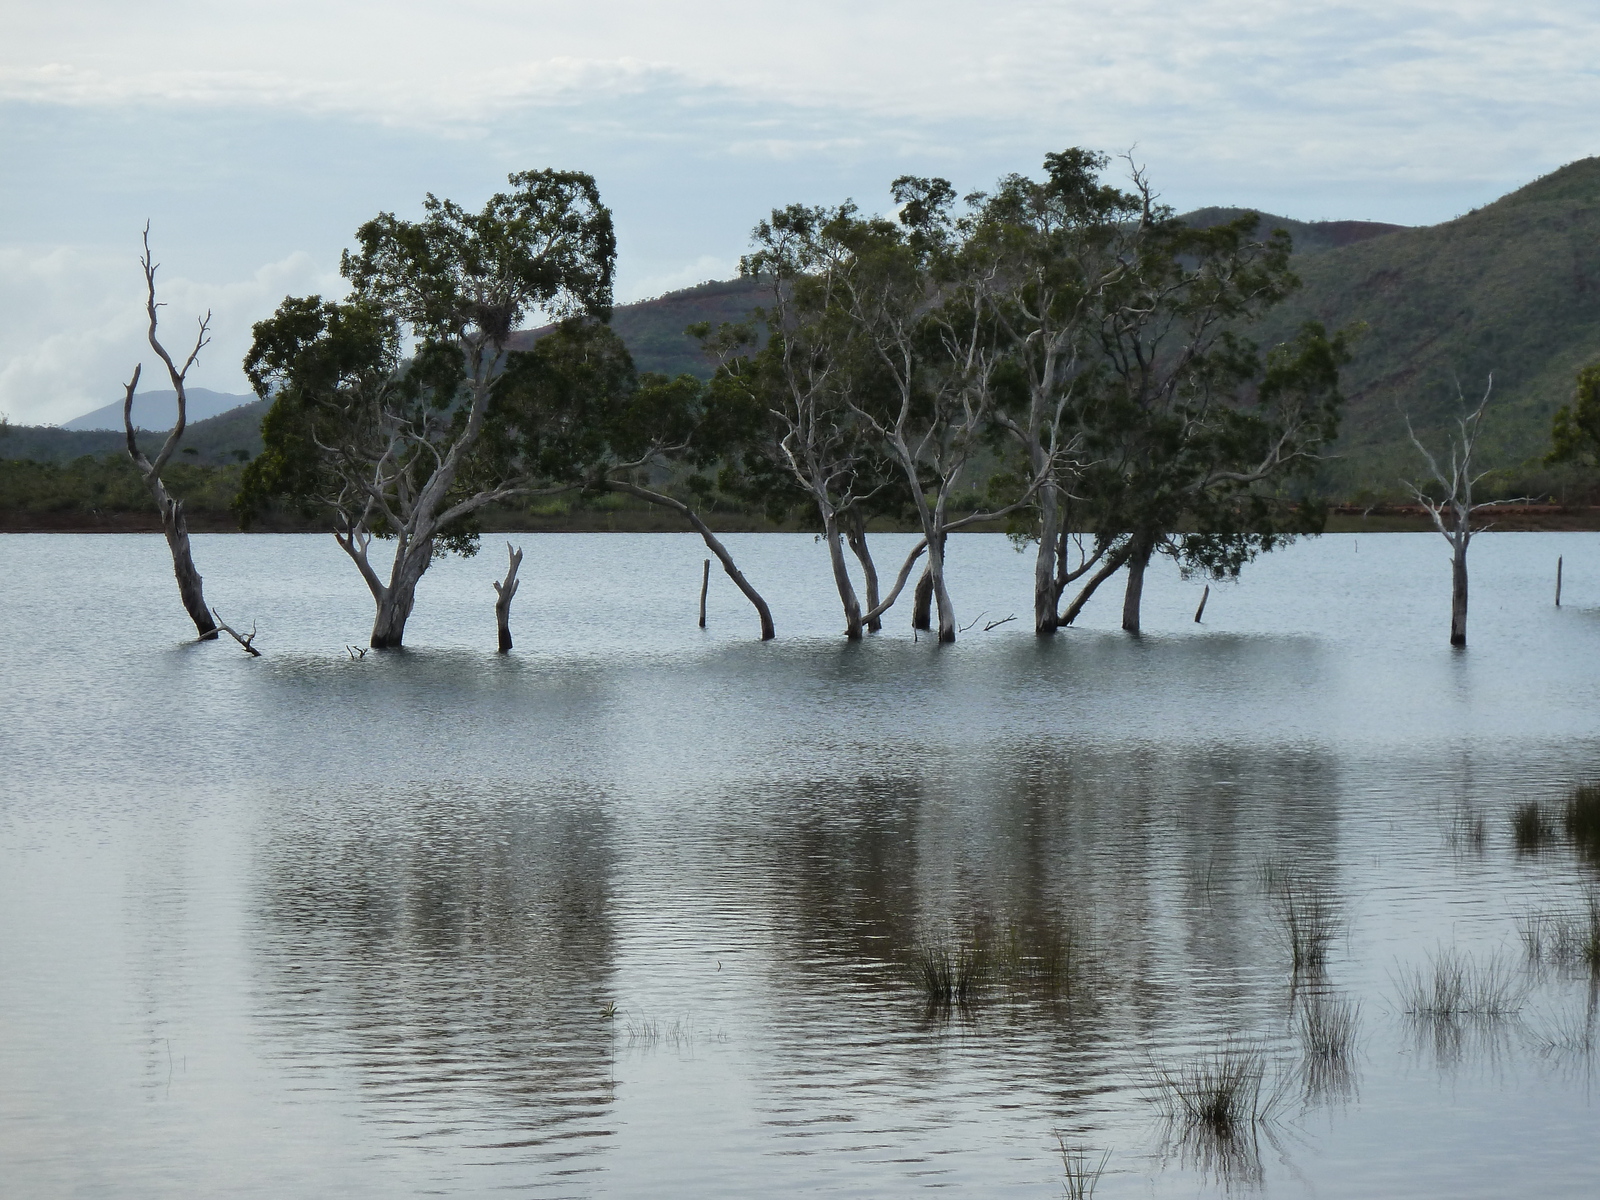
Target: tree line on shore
{"x":1071,"y":341}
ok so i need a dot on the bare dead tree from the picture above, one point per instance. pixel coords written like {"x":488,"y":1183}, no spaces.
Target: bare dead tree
{"x":505,"y":591}
{"x":173,"y":523}
{"x":1453,"y":514}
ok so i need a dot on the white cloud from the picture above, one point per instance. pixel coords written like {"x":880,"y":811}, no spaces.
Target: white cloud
{"x":72,"y":326}
{"x":253,"y":130}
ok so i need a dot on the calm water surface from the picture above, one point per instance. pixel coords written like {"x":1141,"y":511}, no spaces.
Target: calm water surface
{"x":313,"y":925}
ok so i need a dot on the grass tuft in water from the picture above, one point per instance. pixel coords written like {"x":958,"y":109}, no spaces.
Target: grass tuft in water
{"x":1081,"y":1169}
{"x":1468,"y":831}
{"x":1220,"y":1092}
{"x":1580,"y":816}
{"x":1310,"y":919}
{"x":1453,"y":984}
{"x":1569,"y":938}
{"x":1532,"y":826}
{"x":950,"y":977}
{"x":1328,"y":1026}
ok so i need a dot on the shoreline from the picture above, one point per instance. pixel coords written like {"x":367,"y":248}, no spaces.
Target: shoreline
{"x":1540,"y":519}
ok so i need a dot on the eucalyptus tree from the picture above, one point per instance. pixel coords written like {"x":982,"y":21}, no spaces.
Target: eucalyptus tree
{"x":387,"y":443}
{"x":173,"y":523}
{"x":919,"y":297}
{"x":1192,"y":433}
{"x":1063,"y":244}
{"x":804,"y":378}
{"x":1575,"y":429}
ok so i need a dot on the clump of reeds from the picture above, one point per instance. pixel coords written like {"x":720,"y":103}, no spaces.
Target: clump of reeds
{"x":1532,"y":826}
{"x":1453,"y":984}
{"x":1081,"y":1169}
{"x":950,"y":977}
{"x":1310,"y":919}
{"x":1222,"y":1091}
{"x":1219,"y":1105}
{"x":1328,"y":1026}
{"x":1568,"y":937}
{"x":1580,"y":816}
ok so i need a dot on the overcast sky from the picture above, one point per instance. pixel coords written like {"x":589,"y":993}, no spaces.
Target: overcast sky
{"x":255,"y":137}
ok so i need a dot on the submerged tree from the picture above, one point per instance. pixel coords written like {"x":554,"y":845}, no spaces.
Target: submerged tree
{"x":388,"y":444}
{"x":1191,"y":431}
{"x":1064,"y":244}
{"x":1453,"y":509}
{"x":173,"y":524}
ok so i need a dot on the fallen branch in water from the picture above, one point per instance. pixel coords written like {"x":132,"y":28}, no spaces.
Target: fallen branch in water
{"x":997,"y":624}
{"x":234,"y":634}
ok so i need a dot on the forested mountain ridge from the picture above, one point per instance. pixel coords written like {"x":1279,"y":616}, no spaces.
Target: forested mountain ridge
{"x":1512,"y":288}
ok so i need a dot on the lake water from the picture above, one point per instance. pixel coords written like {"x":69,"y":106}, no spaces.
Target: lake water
{"x":633,"y":910}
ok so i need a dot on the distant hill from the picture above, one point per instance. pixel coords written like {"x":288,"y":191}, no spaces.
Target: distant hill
{"x":214,"y":440}
{"x":159,"y":410}
{"x":653,"y":329}
{"x":1512,"y":288}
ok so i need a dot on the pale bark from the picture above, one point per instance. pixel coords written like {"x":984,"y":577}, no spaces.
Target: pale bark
{"x":1113,"y":563}
{"x":173,"y":524}
{"x":712,"y":543}
{"x":504,"y":592}
{"x":834,"y":537}
{"x":1046,"y":592}
{"x":1452,"y":516}
{"x":855,"y":527}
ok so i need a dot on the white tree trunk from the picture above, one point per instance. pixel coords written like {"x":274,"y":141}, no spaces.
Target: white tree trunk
{"x":841,"y":576}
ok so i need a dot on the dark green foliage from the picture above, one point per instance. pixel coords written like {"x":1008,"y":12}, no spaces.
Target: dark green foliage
{"x":90,"y":487}
{"x":1575,"y":431}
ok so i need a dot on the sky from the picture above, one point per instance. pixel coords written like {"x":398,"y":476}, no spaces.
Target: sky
{"x":256,"y":137}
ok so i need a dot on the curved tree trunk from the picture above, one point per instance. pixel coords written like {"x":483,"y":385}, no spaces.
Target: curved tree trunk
{"x":855,"y":528}
{"x":394,"y":605}
{"x":1112,"y":565}
{"x":941,"y":596}
{"x":1138,"y":560}
{"x":1458,"y":594}
{"x":922,"y":601}
{"x":713,"y":544}
{"x":841,"y":576}
{"x":190,"y":589}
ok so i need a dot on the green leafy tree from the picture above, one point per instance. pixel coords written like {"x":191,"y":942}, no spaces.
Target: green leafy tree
{"x":1575,"y":431}
{"x":1192,"y":433}
{"x":409,"y":447}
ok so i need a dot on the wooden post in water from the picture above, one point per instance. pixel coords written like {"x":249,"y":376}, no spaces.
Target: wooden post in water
{"x":1558,"y":581}
{"x":705,"y":586}
{"x":1204,"y":596}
